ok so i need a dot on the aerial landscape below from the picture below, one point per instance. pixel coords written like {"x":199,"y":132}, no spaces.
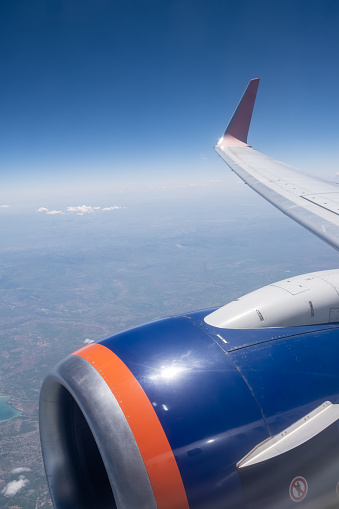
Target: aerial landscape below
{"x":60,"y":292}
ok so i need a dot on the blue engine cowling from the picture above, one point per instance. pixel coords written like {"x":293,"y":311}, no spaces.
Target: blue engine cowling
{"x":161,"y":416}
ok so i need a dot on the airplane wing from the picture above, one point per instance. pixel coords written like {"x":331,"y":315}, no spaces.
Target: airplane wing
{"x":311,"y":201}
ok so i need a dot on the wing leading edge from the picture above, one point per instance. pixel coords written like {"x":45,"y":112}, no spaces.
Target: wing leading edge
{"x":310,"y":201}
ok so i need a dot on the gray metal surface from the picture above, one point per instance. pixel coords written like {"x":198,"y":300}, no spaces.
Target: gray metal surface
{"x":300,"y":432}
{"x":75,"y":381}
{"x":312,"y":202}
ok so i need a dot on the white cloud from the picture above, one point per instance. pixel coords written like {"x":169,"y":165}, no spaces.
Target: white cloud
{"x":88,"y":341}
{"x":4,"y":206}
{"x":19,"y":470}
{"x":13,"y":487}
{"x":82,"y":209}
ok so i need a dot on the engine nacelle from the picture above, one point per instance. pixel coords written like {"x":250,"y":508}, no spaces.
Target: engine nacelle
{"x":300,"y":300}
{"x":153,"y":417}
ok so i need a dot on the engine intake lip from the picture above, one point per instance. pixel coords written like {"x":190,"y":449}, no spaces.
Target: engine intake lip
{"x":81,"y":422}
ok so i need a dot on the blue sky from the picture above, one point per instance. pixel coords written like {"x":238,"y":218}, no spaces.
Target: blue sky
{"x":105,"y":93}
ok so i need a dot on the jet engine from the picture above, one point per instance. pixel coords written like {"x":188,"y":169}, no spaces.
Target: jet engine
{"x":181,"y":413}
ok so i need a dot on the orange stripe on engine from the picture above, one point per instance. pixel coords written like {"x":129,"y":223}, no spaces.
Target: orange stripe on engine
{"x":163,"y":471}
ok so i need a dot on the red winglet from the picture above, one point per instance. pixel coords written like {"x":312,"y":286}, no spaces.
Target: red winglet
{"x":237,"y":130}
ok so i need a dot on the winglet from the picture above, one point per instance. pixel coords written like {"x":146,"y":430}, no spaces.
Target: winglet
{"x":237,"y":130}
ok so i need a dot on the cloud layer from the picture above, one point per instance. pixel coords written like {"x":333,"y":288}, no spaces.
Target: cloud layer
{"x":13,"y":487}
{"x":19,"y":470}
{"x":88,"y":341}
{"x":80,"y":210}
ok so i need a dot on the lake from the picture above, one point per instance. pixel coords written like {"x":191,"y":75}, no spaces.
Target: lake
{"x":7,"y":412}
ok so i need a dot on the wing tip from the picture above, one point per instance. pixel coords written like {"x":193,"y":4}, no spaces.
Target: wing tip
{"x":237,"y":130}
